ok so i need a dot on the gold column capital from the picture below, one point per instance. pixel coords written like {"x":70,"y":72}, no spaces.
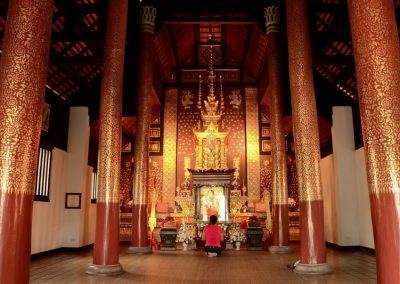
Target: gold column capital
{"x":271,"y":14}
{"x":147,"y":19}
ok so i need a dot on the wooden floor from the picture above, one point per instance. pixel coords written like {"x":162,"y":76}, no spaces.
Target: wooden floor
{"x":194,"y":267}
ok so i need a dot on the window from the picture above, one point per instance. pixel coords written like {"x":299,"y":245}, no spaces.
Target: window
{"x":93,"y":193}
{"x":43,"y":175}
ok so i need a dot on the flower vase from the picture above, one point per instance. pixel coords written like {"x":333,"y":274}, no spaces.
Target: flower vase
{"x":185,"y":245}
{"x":237,"y":244}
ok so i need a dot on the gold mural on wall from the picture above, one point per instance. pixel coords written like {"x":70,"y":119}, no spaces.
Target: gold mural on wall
{"x":170,"y":125}
{"x":252,"y":143}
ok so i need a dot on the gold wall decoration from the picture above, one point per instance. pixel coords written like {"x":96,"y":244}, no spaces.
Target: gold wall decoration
{"x":187,"y":99}
{"x":125,"y":192}
{"x":235,"y":98}
{"x":252,"y":145}
{"x":235,"y":191}
{"x":184,"y":189}
{"x":154,"y":146}
{"x":155,"y":132}
{"x":266,"y":175}
{"x":266,"y":145}
{"x":154,"y":189}
{"x":187,"y":166}
{"x":230,"y":75}
{"x":170,"y":138}
{"x":265,"y":131}
{"x":155,"y":179}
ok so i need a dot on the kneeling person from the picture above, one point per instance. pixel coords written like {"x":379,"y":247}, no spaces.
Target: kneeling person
{"x":213,"y":236}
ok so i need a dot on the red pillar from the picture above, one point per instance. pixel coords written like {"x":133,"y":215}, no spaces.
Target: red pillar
{"x":23,"y":74}
{"x":306,"y":138}
{"x":140,"y":241}
{"x":280,"y":208}
{"x":377,"y":61}
{"x":106,"y":246}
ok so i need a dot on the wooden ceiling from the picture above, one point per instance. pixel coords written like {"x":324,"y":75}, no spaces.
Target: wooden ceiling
{"x":75,"y":64}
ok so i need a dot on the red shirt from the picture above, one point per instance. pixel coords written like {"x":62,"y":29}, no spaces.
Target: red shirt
{"x":213,"y":235}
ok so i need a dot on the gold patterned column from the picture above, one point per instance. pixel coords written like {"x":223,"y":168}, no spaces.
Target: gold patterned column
{"x":305,"y":126}
{"x":252,"y":146}
{"x":23,"y":73}
{"x":377,"y":60}
{"x":140,"y":242}
{"x":106,"y":246}
{"x":280,"y":229}
{"x":170,"y":138}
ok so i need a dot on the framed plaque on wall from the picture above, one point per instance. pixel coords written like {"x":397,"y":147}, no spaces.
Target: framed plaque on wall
{"x":72,"y":200}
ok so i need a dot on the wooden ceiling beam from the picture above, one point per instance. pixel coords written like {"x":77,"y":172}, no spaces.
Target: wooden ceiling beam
{"x":75,"y":60}
{"x":347,"y":72}
{"x":333,"y":59}
{"x":212,"y":21}
{"x":80,"y":8}
{"x":330,"y":36}
{"x":87,"y":8}
{"x":331,"y":8}
{"x":246,"y":57}
{"x":76,"y":36}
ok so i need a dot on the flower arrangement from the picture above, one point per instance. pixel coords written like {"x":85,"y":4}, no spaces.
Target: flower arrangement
{"x":184,"y":234}
{"x":237,"y":235}
{"x":200,"y":227}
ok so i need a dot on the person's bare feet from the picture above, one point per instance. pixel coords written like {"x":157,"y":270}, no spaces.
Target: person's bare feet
{"x":212,"y":254}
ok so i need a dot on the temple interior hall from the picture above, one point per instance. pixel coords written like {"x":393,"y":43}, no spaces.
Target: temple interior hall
{"x":125,"y":125}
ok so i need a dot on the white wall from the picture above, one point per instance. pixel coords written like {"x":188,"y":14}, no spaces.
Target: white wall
{"x":365,"y":220}
{"x":53,"y":226}
{"x":344,"y":163}
{"x":329,"y":195}
{"x":78,"y":147}
{"x":347,"y":214}
{"x":47,"y":217}
{"x":89,"y":229}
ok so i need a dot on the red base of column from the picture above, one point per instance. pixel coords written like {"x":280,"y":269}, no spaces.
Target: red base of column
{"x":312,"y":239}
{"x":280,"y":249}
{"x":106,"y":246}
{"x":280,"y":227}
{"x":140,"y":240}
{"x":104,"y":270}
{"x":385,"y":219}
{"x":15,"y":237}
{"x":320,"y":268}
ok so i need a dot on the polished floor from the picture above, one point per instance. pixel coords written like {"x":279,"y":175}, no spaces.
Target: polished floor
{"x":192,"y":266}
